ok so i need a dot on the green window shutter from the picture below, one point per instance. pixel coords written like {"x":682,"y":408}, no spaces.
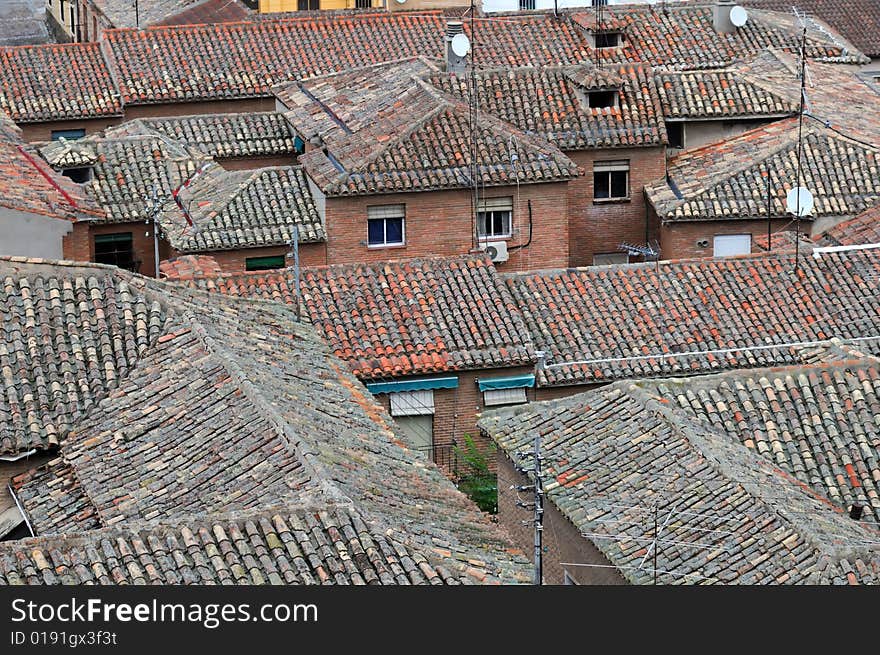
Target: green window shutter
{"x":263,"y":263}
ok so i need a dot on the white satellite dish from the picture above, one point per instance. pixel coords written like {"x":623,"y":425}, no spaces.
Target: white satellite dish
{"x":461,"y":45}
{"x":400,"y":2}
{"x":739,"y":16}
{"x":804,"y":199}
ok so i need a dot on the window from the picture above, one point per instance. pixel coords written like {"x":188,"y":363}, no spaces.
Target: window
{"x":610,"y":180}
{"x":70,"y":135}
{"x":727,"y":245}
{"x":385,"y":225}
{"x":413,"y":411}
{"x":608,"y":39}
{"x":600,"y":3}
{"x":116,"y":250}
{"x":363,"y":4}
{"x":526,"y":5}
{"x":299,"y":145}
{"x":676,"y":134}
{"x":604,"y":259}
{"x":264,"y":263}
{"x":78,"y":175}
{"x":601,"y":99}
{"x":306,"y":5}
{"x":493,"y":397}
{"x":495,"y":218}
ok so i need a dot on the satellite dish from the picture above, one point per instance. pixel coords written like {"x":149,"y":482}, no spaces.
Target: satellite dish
{"x":739,"y":16}
{"x":804,"y":199}
{"x":461,"y":45}
{"x":400,"y":2}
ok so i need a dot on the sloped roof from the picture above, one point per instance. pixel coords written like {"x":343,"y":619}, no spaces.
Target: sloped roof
{"x":236,"y":409}
{"x":694,"y":316}
{"x":728,"y":180}
{"x":250,"y":134}
{"x":858,"y":21}
{"x":615,"y":456}
{"x":735,"y":91}
{"x":814,"y":422}
{"x":172,"y":12}
{"x":57,"y":81}
{"x":127,"y":170}
{"x":551,"y":103}
{"x":861,"y":229}
{"x":421,"y":143}
{"x":28,"y":185}
{"x":405,"y":317}
{"x":244,"y":209}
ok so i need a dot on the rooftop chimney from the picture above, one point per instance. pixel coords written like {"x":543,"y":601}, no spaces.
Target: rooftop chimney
{"x":454,"y":63}
{"x":721,"y":17}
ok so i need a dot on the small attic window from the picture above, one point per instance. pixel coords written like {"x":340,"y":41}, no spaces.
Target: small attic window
{"x":602,"y":99}
{"x":79,"y":175}
{"x":607,"y":39}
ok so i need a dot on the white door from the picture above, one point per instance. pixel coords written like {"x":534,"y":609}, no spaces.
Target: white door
{"x":727,"y":245}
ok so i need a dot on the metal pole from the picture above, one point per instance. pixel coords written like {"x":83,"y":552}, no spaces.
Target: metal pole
{"x":137,"y":15}
{"x":800,"y":151}
{"x":769,"y":214}
{"x":296,"y":269}
{"x":655,"y":544}
{"x":539,"y":511}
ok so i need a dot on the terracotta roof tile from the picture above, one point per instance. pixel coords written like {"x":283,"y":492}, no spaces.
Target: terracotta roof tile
{"x":861,"y":229}
{"x":402,"y":317}
{"x":643,"y":320}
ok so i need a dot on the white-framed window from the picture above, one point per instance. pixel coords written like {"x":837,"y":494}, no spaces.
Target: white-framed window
{"x":727,"y":245}
{"x":611,"y":180}
{"x":493,"y":397}
{"x":495,"y":218}
{"x":607,"y":258}
{"x":386,"y":225}
{"x":412,"y":403}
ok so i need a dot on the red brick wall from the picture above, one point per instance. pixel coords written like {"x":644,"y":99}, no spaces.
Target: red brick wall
{"x":233,"y":261}
{"x":32,"y":132}
{"x":76,"y":243}
{"x":209,"y":107}
{"x":439,"y":223}
{"x":456,"y":410}
{"x":679,"y":240}
{"x":601,"y":227}
{"x":562,"y":541}
{"x":79,"y":245}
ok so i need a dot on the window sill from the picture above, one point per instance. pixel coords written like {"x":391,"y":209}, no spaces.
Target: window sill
{"x":611,"y":201}
{"x":390,"y":246}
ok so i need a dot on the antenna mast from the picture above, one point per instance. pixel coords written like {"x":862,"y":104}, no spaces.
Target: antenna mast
{"x":800,"y":149}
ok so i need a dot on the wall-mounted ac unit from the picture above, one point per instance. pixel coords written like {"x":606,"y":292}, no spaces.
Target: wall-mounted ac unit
{"x":497,"y":251}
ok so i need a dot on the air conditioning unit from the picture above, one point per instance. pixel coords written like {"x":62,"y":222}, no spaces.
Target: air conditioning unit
{"x":497,"y":251}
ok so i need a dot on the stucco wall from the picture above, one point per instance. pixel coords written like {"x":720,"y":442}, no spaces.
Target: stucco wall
{"x":31,"y":235}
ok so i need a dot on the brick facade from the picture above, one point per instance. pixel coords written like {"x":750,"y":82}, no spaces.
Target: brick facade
{"x":680,"y":240}
{"x":563,"y":545}
{"x":599,"y":227}
{"x":456,"y":410}
{"x":32,"y":132}
{"x":233,"y":261}
{"x":438,"y":223}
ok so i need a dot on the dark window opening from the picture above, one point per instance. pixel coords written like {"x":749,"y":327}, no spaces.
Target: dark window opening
{"x":70,"y":135}
{"x":264,"y":263}
{"x":608,"y":39}
{"x":116,"y":250}
{"x":675,"y":131}
{"x":385,"y":231}
{"x":363,"y":4}
{"x":600,"y":3}
{"x":78,"y":175}
{"x":308,"y":5}
{"x":599,"y":99}
{"x":610,"y":184}
{"x":526,"y":5}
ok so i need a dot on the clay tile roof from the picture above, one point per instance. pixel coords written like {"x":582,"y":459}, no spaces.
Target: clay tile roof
{"x":614,"y":456}
{"x":28,"y":185}
{"x":225,"y":414}
{"x":694,"y":317}
{"x":728,"y":180}
{"x":420,"y":143}
{"x":551,"y":103}
{"x":189,"y":266}
{"x":56,"y":82}
{"x":858,"y":21}
{"x":251,"y":134}
{"x":427,"y":315}
{"x":244,"y":209}
{"x":861,"y":229}
{"x":765,"y":87}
